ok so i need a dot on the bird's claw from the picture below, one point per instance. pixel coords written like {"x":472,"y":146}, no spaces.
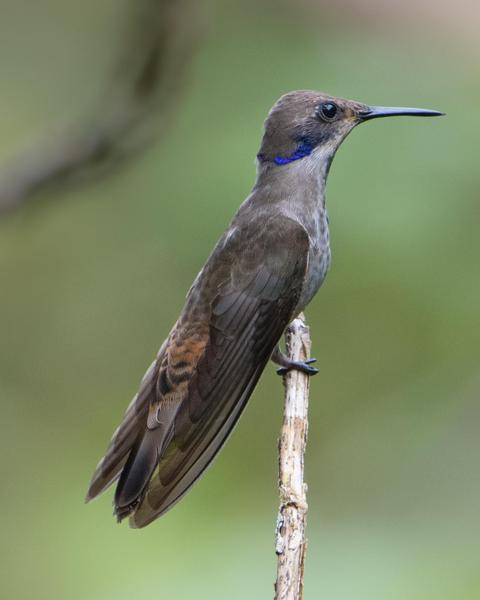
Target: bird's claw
{"x":303,"y":366}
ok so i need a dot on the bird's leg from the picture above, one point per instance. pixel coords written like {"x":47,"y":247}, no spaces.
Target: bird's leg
{"x":279,"y":358}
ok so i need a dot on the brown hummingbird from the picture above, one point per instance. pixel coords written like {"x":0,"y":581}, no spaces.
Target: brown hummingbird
{"x":263,"y":271}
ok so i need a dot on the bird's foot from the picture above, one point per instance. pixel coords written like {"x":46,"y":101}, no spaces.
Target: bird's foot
{"x":286,"y":364}
{"x":297,"y":365}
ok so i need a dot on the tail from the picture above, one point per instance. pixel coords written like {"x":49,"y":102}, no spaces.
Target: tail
{"x":125,"y":437}
{"x":137,"y":472}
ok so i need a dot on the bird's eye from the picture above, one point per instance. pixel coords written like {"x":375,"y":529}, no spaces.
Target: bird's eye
{"x":327,"y":111}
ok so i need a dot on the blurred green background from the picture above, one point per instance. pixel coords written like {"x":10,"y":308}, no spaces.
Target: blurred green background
{"x":92,"y":278}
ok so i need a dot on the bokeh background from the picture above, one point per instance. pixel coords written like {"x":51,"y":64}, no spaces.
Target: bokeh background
{"x":93,"y":276}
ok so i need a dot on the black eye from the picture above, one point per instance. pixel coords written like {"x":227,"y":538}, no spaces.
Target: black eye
{"x":327,"y":111}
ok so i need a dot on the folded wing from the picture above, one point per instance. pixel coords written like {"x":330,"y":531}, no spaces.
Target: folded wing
{"x":234,"y":316}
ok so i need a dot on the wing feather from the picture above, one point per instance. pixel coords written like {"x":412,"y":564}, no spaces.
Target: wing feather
{"x":133,"y":422}
{"x":252,"y":306}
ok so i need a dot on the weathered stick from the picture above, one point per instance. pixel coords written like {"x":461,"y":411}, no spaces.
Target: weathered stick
{"x":291,"y":542}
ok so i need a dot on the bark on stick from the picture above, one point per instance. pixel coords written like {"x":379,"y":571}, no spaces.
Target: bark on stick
{"x":291,"y":542}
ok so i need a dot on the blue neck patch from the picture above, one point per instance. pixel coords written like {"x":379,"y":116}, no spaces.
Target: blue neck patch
{"x":303,"y":149}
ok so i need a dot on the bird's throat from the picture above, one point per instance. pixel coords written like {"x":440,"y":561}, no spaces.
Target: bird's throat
{"x":303,"y":149}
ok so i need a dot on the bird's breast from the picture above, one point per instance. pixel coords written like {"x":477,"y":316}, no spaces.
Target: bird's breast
{"x":319,"y":258}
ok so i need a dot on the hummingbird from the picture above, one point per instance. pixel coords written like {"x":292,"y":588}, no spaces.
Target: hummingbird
{"x":262,"y":273}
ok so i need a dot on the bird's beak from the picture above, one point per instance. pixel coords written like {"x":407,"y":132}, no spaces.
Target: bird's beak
{"x":375,"y":112}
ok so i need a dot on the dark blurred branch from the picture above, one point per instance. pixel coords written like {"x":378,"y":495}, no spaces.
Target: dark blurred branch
{"x":291,"y":542}
{"x":133,"y":110}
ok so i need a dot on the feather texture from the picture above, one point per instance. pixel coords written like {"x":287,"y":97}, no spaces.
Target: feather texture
{"x":189,"y":402}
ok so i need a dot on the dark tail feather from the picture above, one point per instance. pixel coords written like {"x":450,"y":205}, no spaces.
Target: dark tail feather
{"x":136,"y":474}
{"x":132,"y":425}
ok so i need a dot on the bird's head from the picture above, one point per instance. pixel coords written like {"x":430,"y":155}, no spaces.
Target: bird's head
{"x":303,"y":121}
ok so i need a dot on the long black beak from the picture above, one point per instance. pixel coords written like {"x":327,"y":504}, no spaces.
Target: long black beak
{"x":375,"y":112}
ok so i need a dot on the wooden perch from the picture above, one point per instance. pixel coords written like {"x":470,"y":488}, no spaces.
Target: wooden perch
{"x":291,"y":542}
